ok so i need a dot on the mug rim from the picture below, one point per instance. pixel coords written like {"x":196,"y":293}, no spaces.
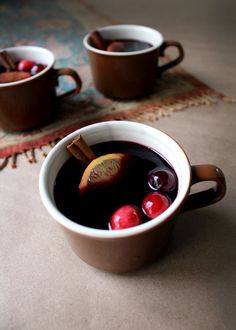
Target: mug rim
{"x":50,"y":204}
{"x":29,"y":48}
{"x":123,"y":27}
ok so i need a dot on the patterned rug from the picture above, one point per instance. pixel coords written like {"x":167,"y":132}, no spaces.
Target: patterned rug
{"x":60,"y":27}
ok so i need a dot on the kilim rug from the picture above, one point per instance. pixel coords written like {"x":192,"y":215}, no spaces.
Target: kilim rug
{"x":60,"y":26}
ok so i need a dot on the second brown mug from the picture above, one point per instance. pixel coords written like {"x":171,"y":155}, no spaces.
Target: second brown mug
{"x":129,"y":74}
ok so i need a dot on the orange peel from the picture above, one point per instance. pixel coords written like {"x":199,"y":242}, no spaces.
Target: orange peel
{"x":103,"y":170}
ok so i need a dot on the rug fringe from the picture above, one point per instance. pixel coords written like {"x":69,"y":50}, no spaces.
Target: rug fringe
{"x":157,"y":111}
{"x":4,"y":163}
{"x":43,"y":153}
{"x":14,"y":161}
{"x":29,"y":155}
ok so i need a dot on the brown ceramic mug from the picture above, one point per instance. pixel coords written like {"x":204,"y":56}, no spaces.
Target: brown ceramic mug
{"x":32,"y":102}
{"x":127,"y":75}
{"x":129,"y":249}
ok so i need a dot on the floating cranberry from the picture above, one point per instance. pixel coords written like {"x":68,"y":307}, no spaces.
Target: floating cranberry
{"x":154,"y":204}
{"x":162,"y":179}
{"x":37,"y":68}
{"x":25,"y":65}
{"x":125,"y":217}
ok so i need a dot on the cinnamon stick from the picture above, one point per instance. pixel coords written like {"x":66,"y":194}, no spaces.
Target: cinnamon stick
{"x":7,"y":61}
{"x":80,"y":150}
{"x":97,"y":40}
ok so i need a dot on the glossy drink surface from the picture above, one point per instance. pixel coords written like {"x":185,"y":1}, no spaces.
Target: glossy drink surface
{"x":127,"y":45}
{"x":95,"y":209}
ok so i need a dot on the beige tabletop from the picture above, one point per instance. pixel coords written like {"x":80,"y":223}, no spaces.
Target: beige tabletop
{"x":43,"y":285}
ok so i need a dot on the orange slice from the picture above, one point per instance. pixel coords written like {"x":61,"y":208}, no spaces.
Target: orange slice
{"x":6,"y":77}
{"x":104,"y":171}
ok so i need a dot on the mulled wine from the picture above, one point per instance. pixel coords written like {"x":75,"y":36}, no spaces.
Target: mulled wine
{"x":145,"y":176}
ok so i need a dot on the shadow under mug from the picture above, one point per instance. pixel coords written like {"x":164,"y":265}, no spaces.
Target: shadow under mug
{"x":129,"y":249}
{"x":127,"y":75}
{"x":32,"y":102}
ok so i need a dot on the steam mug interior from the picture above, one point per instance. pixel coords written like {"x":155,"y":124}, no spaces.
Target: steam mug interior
{"x":127,"y":75}
{"x":32,"y":102}
{"x":129,"y":249}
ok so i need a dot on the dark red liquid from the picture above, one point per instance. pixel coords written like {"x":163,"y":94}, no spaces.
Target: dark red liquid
{"x":125,"y":45}
{"x":95,"y":209}
{"x":128,"y":45}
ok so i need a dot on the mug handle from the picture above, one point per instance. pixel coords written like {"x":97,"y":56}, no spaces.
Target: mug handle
{"x":174,"y":62}
{"x":74,"y":75}
{"x":209,"y":196}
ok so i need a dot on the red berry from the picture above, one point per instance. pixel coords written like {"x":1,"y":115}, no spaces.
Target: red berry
{"x":125,"y":217}
{"x":25,"y":65}
{"x":162,"y":179}
{"x":154,"y":204}
{"x":37,"y":68}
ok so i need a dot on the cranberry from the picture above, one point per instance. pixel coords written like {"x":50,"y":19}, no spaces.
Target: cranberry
{"x":125,"y":217}
{"x":37,"y":68}
{"x":154,"y":204}
{"x":25,"y":65}
{"x":162,"y":179}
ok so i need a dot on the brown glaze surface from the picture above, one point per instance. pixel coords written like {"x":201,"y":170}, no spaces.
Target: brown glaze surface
{"x":124,"y":77}
{"x":121,"y":255}
{"x":32,"y":103}
{"x":201,"y":173}
{"x":174,"y":62}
